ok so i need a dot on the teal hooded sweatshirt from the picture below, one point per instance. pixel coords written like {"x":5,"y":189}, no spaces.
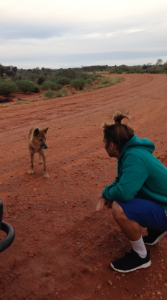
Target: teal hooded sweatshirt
{"x":139,"y":174}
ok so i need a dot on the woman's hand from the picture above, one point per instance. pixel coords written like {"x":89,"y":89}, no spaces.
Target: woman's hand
{"x":100,"y":203}
{"x":108,"y":203}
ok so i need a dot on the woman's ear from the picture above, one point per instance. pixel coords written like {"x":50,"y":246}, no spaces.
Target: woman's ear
{"x":111,"y":145}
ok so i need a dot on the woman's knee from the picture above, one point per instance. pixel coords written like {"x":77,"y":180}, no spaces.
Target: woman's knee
{"x":117,"y":211}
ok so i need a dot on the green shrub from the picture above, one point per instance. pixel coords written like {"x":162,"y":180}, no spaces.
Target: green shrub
{"x":154,"y":71}
{"x":86,"y":76}
{"x":7,"y":87}
{"x":70,"y":73}
{"x":88,"y":81}
{"x":115,"y":80}
{"x":94,"y":77}
{"x":25,"y":85}
{"x":78,"y":83}
{"x":112,"y":72}
{"x":97,"y":76}
{"x":36,"y":88}
{"x":49,"y":94}
{"x":106,"y":81}
{"x":40,"y":80}
{"x":64,"y":92}
{"x":48,"y":84}
{"x":52,"y":78}
{"x":58,"y":86}
{"x":59,"y":94}
{"x":63,"y":80}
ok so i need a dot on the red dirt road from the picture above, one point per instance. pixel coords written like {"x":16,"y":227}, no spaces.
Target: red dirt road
{"x":63,"y":248}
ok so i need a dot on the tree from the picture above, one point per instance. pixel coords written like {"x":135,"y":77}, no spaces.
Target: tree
{"x":165,"y":65}
{"x":14,"y":69}
{"x":159,"y":62}
{"x":2,"y":70}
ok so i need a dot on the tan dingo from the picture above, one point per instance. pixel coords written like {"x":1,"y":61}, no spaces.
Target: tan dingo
{"x":36,"y":144}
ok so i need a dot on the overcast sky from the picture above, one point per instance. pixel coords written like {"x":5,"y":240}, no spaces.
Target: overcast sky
{"x":75,"y":33}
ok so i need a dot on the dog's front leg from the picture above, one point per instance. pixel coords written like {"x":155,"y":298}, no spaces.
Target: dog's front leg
{"x":32,"y":164}
{"x":46,"y":175}
{"x":40,"y":159}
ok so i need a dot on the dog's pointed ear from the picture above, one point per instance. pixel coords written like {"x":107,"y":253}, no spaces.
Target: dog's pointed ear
{"x":45,"y":130}
{"x":36,"y":132}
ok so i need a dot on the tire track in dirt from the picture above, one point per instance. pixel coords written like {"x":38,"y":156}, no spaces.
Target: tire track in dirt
{"x":98,"y":107}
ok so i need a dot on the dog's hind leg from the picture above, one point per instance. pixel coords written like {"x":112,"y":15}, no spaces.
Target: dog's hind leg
{"x":32,"y":164}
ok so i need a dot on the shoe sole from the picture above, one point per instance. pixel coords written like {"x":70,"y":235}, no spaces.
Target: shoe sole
{"x":127,"y":271}
{"x":158,"y":239}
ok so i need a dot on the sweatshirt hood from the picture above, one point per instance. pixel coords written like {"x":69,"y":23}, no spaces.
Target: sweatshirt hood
{"x":135,"y":142}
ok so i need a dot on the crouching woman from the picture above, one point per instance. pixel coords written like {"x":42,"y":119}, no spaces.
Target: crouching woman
{"x":138,"y":195}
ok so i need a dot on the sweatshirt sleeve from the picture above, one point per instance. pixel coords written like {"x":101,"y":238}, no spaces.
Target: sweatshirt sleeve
{"x":108,"y":187}
{"x":134,"y":174}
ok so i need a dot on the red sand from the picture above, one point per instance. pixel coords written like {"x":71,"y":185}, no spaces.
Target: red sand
{"x":63,"y":248}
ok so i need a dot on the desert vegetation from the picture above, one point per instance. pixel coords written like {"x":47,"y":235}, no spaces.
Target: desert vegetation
{"x":7,"y":87}
{"x":53,"y":83}
{"x":159,"y":67}
{"x":56,"y":82}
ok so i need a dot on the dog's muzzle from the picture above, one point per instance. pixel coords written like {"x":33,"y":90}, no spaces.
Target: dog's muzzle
{"x":44,"y":146}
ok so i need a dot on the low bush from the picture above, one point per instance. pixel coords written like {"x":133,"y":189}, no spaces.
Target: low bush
{"x":64,"y":92}
{"x":36,"y":88}
{"x":70,"y":73}
{"x":40,"y":80}
{"x":78,"y":83}
{"x":59,"y":94}
{"x":97,"y":76}
{"x":49,"y":94}
{"x":58,"y":86}
{"x":88,"y":81}
{"x":154,"y":71}
{"x":25,"y":85}
{"x":106,"y":81}
{"x":63,"y":80}
{"x":7,"y":87}
{"x":94,"y":77}
{"x":50,"y":85}
{"x":115,"y":80}
{"x":112,"y":72}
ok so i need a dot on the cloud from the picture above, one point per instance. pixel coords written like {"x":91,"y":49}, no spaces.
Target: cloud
{"x":91,"y":32}
{"x":32,"y":30}
{"x":74,"y":60}
{"x":43,"y":19}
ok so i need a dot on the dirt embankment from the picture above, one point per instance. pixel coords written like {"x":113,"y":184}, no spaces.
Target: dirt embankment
{"x":63,"y":248}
